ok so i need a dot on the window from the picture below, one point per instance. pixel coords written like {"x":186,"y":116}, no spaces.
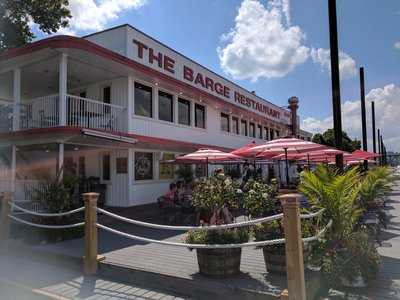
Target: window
{"x":122,"y":165}
{"x":106,"y":167}
{"x":271,"y":134}
{"x":143,"y":100}
{"x":184,"y":111}
{"x":82,"y":104}
{"x":165,"y":107}
{"x":225,"y":122}
{"x":243,"y":127}
{"x":265,"y":133}
{"x":107,"y":98}
{"x":143,"y":165}
{"x":235,"y":125}
{"x":259,"y":131}
{"x":167,"y":170}
{"x":200,"y":116}
{"x":277,"y":133}
{"x":252,"y":130}
{"x":106,"y":94}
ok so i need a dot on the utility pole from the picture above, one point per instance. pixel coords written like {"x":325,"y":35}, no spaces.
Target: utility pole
{"x":382,"y":151}
{"x":335,"y":77}
{"x":373,"y":126}
{"x":363,"y":116}
{"x":379,"y":146}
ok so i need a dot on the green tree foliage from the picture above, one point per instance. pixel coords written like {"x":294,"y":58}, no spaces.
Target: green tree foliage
{"x":328,"y":138}
{"x":15,"y":16}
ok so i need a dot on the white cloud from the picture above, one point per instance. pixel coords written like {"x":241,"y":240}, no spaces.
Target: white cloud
{"x":347,"y":65}
{"x":262,"y":43}
{"x":397,"y":45}
{"x":387,"y":112}
{"x":88,"y":15}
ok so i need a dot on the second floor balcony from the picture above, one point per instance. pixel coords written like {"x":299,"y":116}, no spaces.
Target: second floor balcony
{"x":44,"y":112}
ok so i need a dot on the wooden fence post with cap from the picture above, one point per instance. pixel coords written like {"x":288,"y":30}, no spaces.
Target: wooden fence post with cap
{"x":5,"y":219}
{"x":294,"y":248}
{"x":90,"y":258}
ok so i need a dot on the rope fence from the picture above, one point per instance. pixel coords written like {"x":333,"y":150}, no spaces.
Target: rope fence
{"x":33,"y":213}
{"x":212,"y":227}
{"x":46,"y":226}
{"x":208,"y":246}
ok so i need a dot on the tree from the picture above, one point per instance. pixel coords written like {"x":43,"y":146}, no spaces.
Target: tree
{"x":328,"y":138}
{"x":16,"y":16}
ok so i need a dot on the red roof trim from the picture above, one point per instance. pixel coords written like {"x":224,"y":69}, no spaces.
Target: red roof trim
{"x":140,"y":138}
{"x":65,"y":41}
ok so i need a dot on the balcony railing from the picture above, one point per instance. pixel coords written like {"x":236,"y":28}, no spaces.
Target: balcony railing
{"x":44,"y":112}
{"x":83,"y":112}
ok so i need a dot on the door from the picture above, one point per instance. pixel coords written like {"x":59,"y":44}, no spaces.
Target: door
{"x":119,"y":178}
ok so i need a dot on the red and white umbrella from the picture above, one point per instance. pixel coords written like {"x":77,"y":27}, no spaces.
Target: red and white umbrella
{"x":360,"y":154}
{"x":245,"y":149}
{"x":283,"y":145}
{"x":207,"y":156}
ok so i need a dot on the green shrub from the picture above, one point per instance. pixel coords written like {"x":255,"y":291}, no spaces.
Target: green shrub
{"x":212,"y":237}
{"x":259,"y":198}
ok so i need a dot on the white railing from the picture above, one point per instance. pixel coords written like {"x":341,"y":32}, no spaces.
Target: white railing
{"x":41,"y":112}
{"x":6,"y":113}
{"x":88,"y":113}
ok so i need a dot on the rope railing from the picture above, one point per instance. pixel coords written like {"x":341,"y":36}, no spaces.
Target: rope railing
{"x":33,"y":213}
{"x":212,"y":227}
{"x":46,"y":226}
{"x":208,"y":246}
{"x":312,"y":215}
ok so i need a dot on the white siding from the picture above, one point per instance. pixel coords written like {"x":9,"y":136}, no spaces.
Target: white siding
{"x":115,"y":39}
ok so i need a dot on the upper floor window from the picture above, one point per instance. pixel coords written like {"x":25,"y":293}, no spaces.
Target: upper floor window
{"x":243,"y":127}
{"x":165,"y":107}
{"x":225,"y":122}
{"x":199,"y":116}
{"x":265,"y":133}
{"x":143,"y":100}
{"x":235,"y":125}
{"x":184,"y":112}
{"x":252,"y":130}
{"x":107,"y":97}
{"x":259,"y":132}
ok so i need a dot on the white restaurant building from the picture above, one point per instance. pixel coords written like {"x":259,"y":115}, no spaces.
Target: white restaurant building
{"x":112,"y":106}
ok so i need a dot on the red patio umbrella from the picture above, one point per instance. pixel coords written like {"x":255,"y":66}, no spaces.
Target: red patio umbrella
{"x":363,"y":154}
{"x":206,"y":156}
{"x":283,"y":146}
{"x":245,"y":149}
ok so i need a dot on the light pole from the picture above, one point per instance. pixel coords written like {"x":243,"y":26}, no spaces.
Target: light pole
{"x":335,"y":78}
{"x":363,"y":116}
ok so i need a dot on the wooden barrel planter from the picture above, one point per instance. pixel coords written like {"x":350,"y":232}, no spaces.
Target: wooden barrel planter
{"x":219,"y":262}
{"x":275,"y":262}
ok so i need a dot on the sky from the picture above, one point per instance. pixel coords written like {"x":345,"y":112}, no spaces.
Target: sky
{"x":278,"y":48}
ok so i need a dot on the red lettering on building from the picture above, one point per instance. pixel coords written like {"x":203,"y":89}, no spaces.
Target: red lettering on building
{"x":188,"y":73}
{"x":169,"y":64}
{"x":157,"y":57}
{"x":199,"y":80}
{"x":140,"y":46}
{"x":251,"y":103}
{"x":209,"y":84}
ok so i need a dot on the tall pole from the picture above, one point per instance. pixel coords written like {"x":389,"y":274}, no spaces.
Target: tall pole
{"x":363,"y":116}
{"x":373,"y":126}
{"x":382,"y":151}
{"x":337,"y":115}
{"x":379,"y":145}
{"x":287,"y":167}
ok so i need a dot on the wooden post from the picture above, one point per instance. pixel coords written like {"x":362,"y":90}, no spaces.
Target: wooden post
{"x":293,"y":246}
{"x":90,"y":259}
{"x":5,"y":219}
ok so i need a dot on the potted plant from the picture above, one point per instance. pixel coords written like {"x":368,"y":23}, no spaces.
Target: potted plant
{"x":213,"y":198}
{"x":259,"y":199}
{"x":346,"y":254}
{"x":218,"y":262}
{"x":275,"y":255}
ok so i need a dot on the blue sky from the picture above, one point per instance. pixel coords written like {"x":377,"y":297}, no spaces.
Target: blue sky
{"x":368,"y":31}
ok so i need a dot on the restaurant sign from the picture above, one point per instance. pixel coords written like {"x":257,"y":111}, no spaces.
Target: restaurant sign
{"x":147,"y":51}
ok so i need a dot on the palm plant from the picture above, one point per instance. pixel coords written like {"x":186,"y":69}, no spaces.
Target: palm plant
{"x":337,"y":193}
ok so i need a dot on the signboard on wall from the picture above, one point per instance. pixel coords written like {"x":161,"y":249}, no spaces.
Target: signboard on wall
{"x":155,"y":55}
